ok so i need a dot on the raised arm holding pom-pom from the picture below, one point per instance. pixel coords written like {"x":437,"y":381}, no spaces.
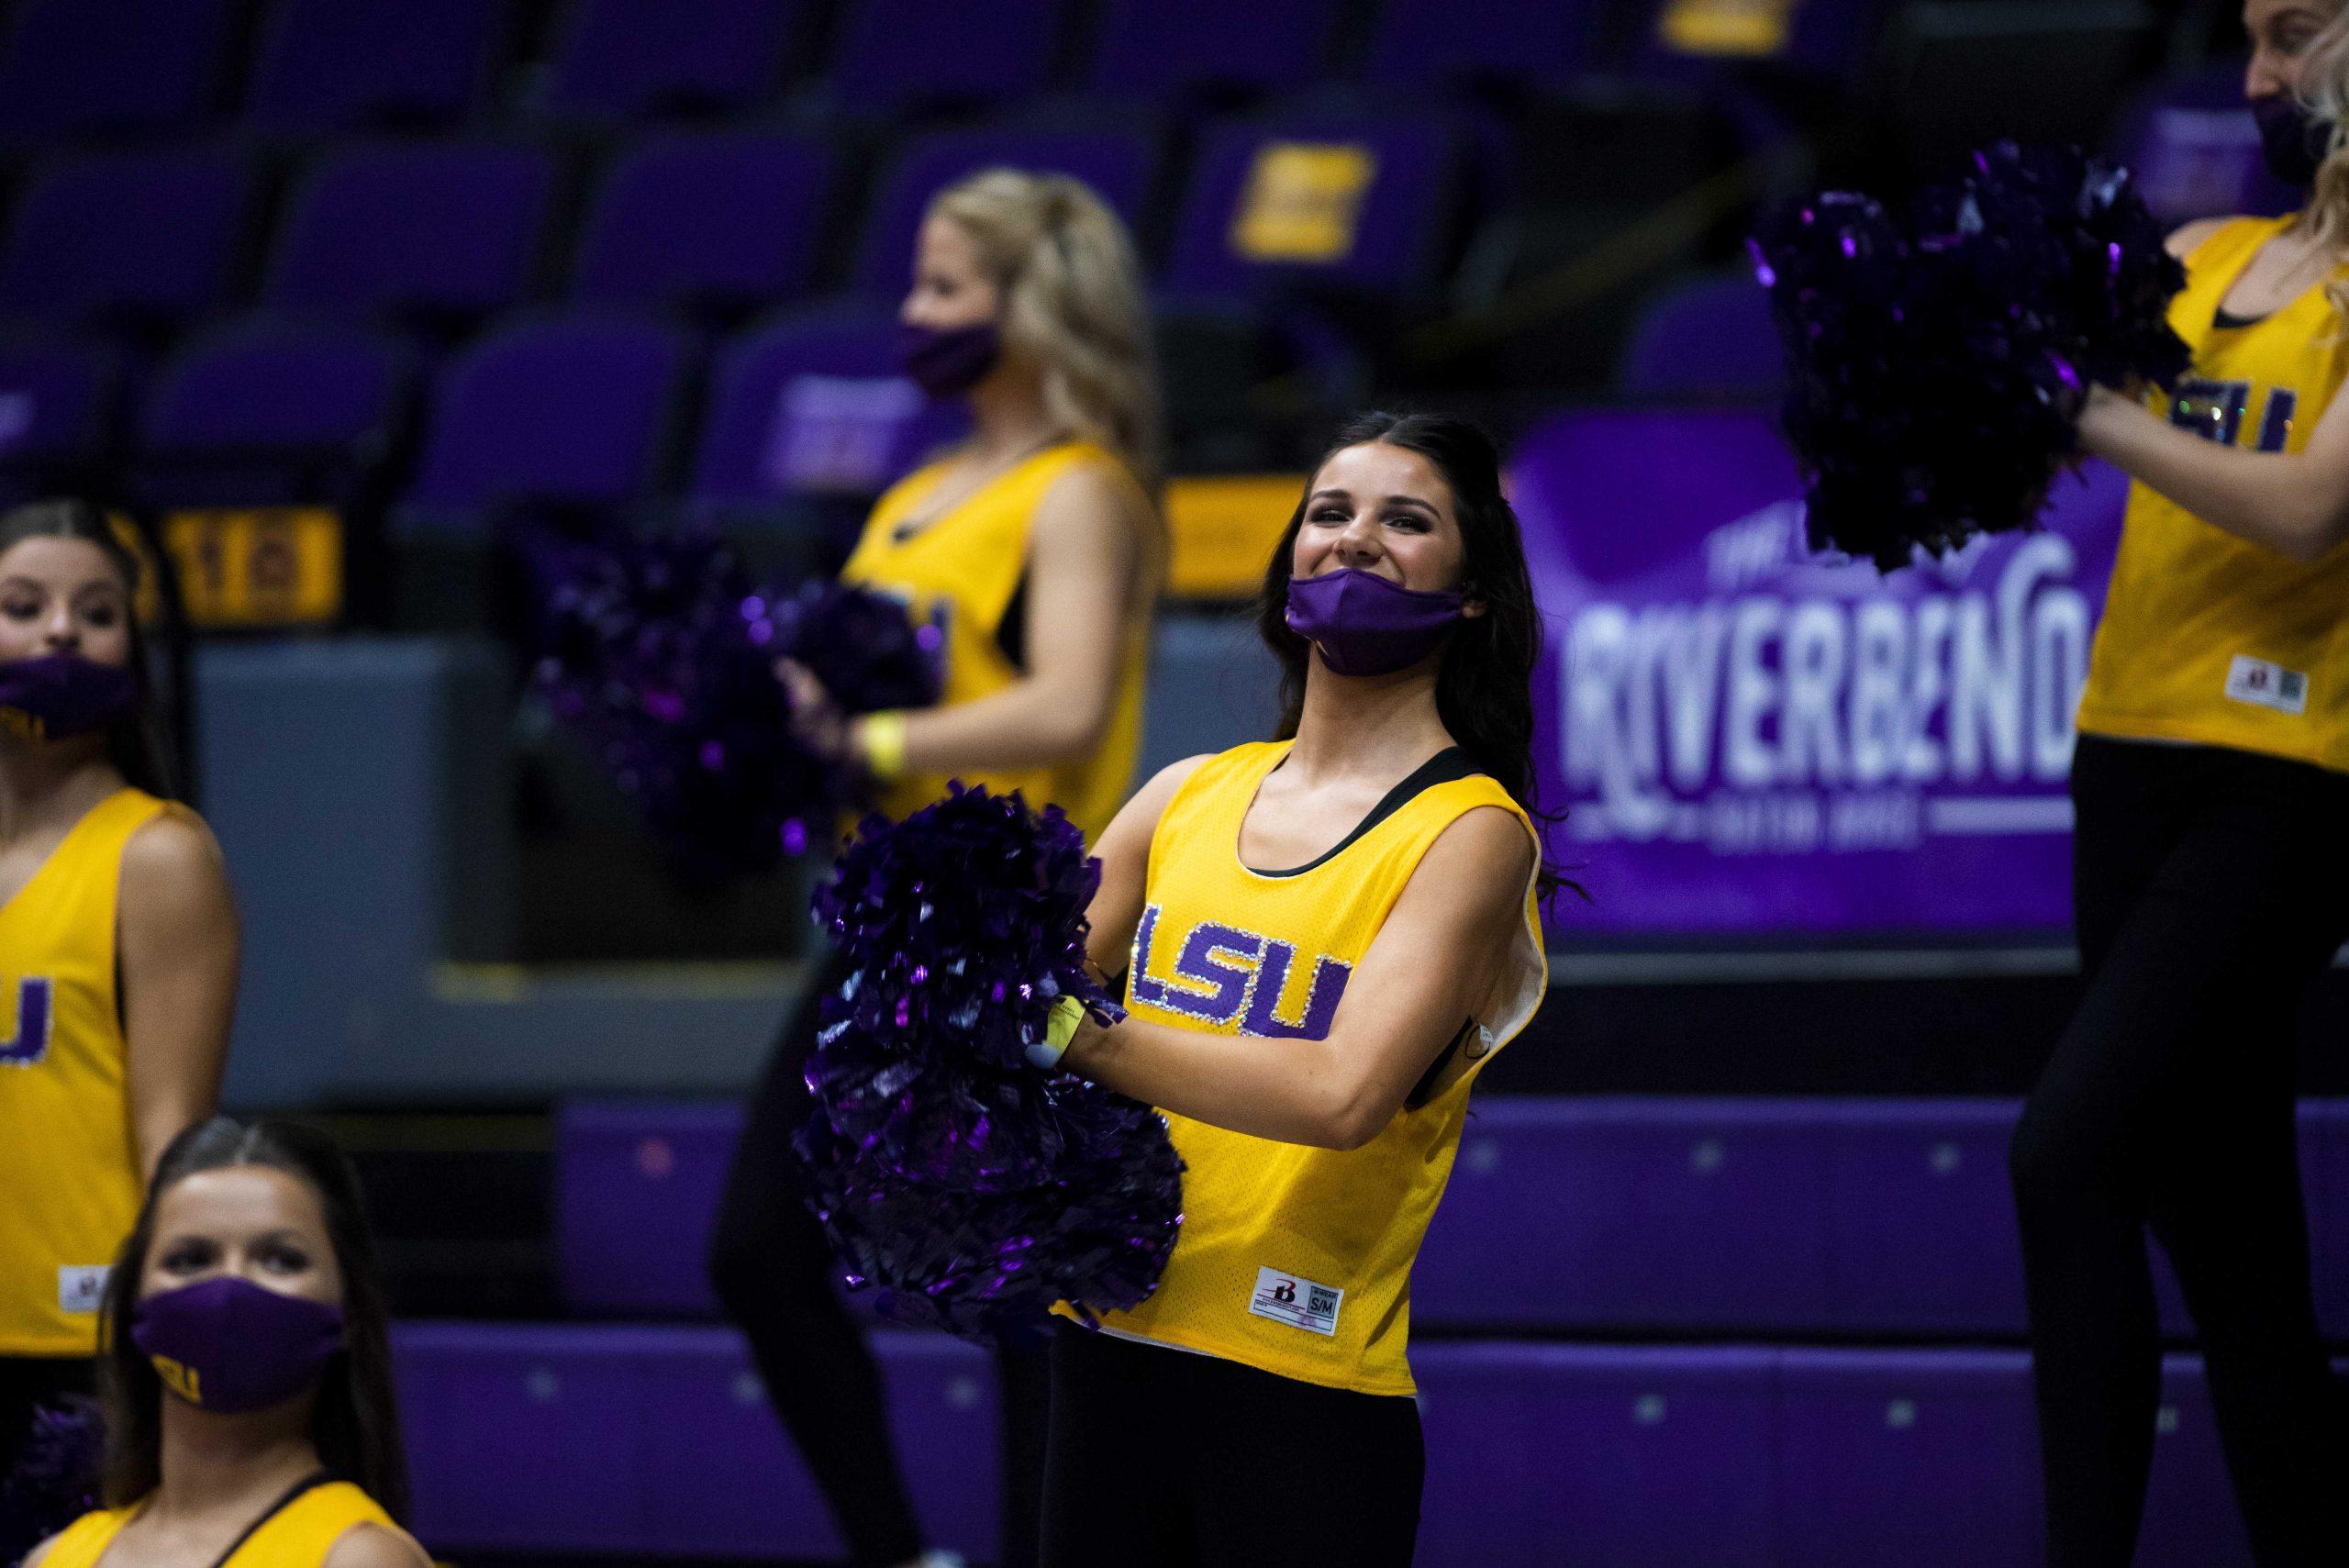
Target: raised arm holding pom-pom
{"x":2296,"y":504}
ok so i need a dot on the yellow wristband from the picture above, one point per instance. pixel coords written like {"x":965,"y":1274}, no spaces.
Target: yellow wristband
{"x":881,"y":743}
{"x":1060,"y":1027}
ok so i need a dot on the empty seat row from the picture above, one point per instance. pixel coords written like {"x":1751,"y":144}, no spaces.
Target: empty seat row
{"x":590,"y":405}
{"x":568,"y":407}
{"x":1615,"y":1217}
{"x":724,"y":218}
{"x":81,"y":67}
{"x":557,"y":1439}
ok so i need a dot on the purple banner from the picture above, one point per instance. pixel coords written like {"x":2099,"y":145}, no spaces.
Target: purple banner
{"x":1751,"y":740}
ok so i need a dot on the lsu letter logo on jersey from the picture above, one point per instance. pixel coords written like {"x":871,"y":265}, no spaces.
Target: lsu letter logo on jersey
{"x":1225,"y":977}
{"x":27,"y":1041}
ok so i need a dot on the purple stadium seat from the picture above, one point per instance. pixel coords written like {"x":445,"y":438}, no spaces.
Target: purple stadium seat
{"x":58,"y":400}
{"x":431,"y":229}
{"x":1430,"y":43}
{"x":2195,"y":151}
{"x":708,"y":1502}
{"x":1691,"y":1214}
{"x":249,"y":412}
{"x":566,"y":409}
{"x":1362,"y":201}
{"x":96,"y":66}
{"x":146,"y":236}
{"x":1148,"y":49}
{"x":328,"y":65}
{"x":1881,"y":1456}
{"x":611,"y":1439}
{"x":1709,"y":337}
{"x":628,"y":58}
{"x":727,"y":219}
{"x":894,"y":53}
{"x":637,"y":1184}
{"x":1820,"y":38}
{"x":619,"y":1440}
{"x":1602,"y":1455}
{"x":812,"y":403}
{"x":1921,"y":1219}
{"x":1118,"y":164}
{"x":1864,"y":1217}
{"x":526,"y":1437}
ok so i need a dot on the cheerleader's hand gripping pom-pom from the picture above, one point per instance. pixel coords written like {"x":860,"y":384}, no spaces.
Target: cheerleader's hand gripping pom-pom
{"x":1939,"y":355}
{"x":660,"y":653}
{"x":970,"y":1184}
{"x":967,"y":924}
{"x":55,"y":1481}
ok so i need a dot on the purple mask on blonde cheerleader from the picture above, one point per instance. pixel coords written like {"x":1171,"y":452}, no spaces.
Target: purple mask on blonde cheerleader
{"x":948,"y":361}
{"x":228,"y":1345}
{"x":59,"y":696}
{"x":1364,"y":625}
{"x":2292,"y":141}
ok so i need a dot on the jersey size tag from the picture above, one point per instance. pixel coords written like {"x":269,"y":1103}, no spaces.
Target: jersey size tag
{"x":1299,"y":1303}
{"x":2263,"y":684}
{"x":79,"y":1288}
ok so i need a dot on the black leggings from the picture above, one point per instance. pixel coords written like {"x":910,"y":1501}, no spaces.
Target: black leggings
{"x":2211,"y":888}
{"x":1164,"y":1459}
{"x":773,"y":1271}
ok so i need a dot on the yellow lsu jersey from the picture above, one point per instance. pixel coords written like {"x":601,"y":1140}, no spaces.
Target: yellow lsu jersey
{"x":2206,"y":637}
{"x":68,"y":1163}
{"x":298,"y":1535}
{"x":1291,"y":1259}
{"x":963,"y":572}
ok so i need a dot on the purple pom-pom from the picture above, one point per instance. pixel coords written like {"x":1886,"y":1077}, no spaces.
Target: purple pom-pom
{"x":1939,"y":355}
{"x":869,"y":656}
{"x":966,"y":921}
{"x":1094,"y":1228}
{"x":967,"y":1184}
{"x":661,"y":653}
{"x":56,"y":1478}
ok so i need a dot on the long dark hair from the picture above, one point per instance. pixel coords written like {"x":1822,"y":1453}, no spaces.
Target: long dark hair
{"x":134,"y":745}
{"x":1484,"y":691}
{"x":355,"y":1425}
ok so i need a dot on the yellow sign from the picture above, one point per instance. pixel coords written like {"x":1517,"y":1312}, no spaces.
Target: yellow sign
{"x":1223,"y":531}
{"x":271,"y":566}
{"x":148,"y":608}
{"x":1727,"y":27}
{"x":1303,"y":201}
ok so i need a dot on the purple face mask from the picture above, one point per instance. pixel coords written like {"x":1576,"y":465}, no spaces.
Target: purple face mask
{"x":1364,"y":625}
{"x":2292,"y":141}
{"x":948,"y":362}
{"x":228,"y":1345}
{"x":59,"y":696}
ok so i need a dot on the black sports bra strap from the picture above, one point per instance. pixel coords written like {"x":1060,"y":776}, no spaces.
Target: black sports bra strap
{"x":1452,"y":762}
{"x":308,"y":1483}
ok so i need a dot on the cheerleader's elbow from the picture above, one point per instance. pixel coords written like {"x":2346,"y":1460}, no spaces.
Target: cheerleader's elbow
{"x":1352,"y":1119}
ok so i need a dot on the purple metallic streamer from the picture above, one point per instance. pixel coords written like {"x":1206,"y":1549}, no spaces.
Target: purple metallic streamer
{"x":968,"y":1185}
{"x":1940,"y":353}
{"x":660,"y":653}
{"x":56,"y":1478}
